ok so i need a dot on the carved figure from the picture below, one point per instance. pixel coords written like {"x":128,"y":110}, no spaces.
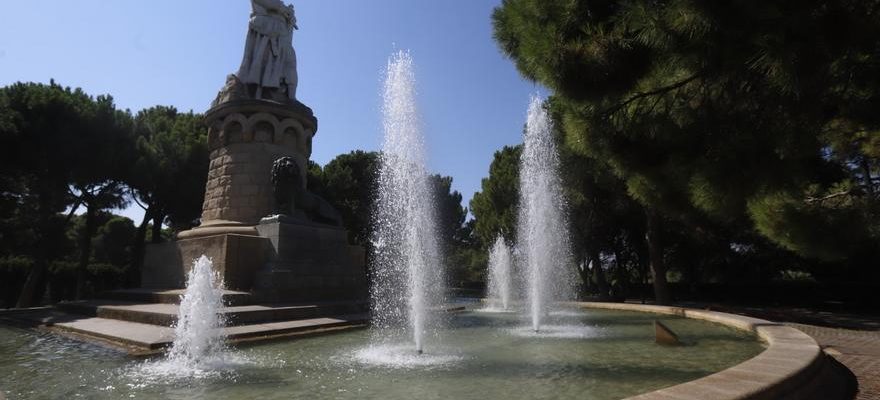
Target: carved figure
{"x":268,"y":67}
{"x":291,"y":195}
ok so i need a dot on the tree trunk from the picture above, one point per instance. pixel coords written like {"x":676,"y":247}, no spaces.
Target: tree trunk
{"x":621,"y":289}
{"x":85,"y":250}
{"x":33,"y":286}
{"x":644,"y":266}
{"x":585,"y":277}
{"x":157,"y":228}
{"x":599,"y":272}
{"x":869,"y":181}
{"x":29,"y":292}
{"x":655,"y":254}
{"x":133,"y":278}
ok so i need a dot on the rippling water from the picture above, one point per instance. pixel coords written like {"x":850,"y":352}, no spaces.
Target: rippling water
{"x":597,"y":354}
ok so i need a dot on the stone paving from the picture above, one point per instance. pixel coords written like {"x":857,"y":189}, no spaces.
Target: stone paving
{"x":852,"y":339}
{"x":858,"y":350}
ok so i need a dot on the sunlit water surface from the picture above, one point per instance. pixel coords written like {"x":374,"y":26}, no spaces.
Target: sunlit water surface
{"x":595,"y":354}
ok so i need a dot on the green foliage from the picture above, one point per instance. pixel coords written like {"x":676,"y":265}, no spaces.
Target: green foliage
{"x":348,"y":182}
{"x":171,"y":168}
{"x":450,"y":214}
{"x":112,"y":245}
{"x":495,"y":206}
{"x":468,"y":258}
{"x":60,"y":148}
{"x":98,"y":278}
{"x":45,"y":135}
{"x":747,"y":113}
{"x":13,"y":271}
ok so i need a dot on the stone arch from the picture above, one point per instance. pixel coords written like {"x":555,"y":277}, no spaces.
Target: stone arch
{"x":264,"y":132}
{"x":288,"y":139}
{"x":260,"y":117}
{"x":232,"y":132}
{"x":290,"y":127}
{"x":215,"y":136}
{"x":234,"y":126}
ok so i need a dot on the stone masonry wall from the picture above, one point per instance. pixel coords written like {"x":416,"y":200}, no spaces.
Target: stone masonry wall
{"x":239,"y":187}
{"x":244,"y":142}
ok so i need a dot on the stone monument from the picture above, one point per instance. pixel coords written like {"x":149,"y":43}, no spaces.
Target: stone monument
{"x":260,"y":140}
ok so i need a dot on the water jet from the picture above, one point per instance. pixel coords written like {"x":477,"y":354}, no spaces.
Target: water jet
{"x":542,"y":236}
{"x":407,"y":279}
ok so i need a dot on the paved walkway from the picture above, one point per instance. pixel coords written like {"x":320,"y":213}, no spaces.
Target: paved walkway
{"x":858,"y":350}
{"x":852,"y":339}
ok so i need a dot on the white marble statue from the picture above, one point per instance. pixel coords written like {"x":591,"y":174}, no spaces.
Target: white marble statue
{"x":269,"y":60}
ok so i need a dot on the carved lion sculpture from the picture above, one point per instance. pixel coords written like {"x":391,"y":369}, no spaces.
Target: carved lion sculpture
{"x":292,"y":196}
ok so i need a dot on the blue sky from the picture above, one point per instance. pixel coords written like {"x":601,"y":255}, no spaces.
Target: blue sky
{"x":145,"y":53}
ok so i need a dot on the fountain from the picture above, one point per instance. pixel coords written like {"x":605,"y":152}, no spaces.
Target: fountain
{"x":198,"y":334}
{"x":406,"y":277}
{"x":500,"y":285}
{"x":542,"y":235}
{"x":563,"y":354}
{"x":603,"y":354}
{"x":199,"y":348}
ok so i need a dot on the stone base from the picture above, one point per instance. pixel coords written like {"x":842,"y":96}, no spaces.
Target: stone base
{"x":217,"y":227}
{"x":309,"y":262}
{"x":236,"y":257}
{"x":291,"y":260}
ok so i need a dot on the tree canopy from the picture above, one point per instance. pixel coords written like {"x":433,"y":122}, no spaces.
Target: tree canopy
{"x":61,"y":148}
{"x":755,"y":112}
{"x":348,"y":182}
{"x":495,"y":206}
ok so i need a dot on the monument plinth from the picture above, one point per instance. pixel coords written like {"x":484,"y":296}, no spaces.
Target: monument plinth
{"x":245,"y":136}
{"x":263,"y":230}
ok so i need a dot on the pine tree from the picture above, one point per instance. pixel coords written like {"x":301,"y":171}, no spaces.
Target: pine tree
{"x":760,"y":113}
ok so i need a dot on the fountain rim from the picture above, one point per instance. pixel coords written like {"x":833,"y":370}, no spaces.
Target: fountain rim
{"x":787,"y":367}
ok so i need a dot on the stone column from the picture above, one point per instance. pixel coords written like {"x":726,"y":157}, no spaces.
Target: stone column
{"x":245,"y":137}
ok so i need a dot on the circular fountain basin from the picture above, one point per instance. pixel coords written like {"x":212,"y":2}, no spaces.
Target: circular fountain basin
{"x":602,"y":354}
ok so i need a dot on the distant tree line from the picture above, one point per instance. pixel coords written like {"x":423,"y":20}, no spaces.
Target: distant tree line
{"x":705,"y":141}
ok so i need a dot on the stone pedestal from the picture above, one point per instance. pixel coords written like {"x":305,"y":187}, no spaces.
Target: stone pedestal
{"x":237,"y":258}
{"x":287,"y":260}
{"x":309,"y":262}
{"x":245,"y":137}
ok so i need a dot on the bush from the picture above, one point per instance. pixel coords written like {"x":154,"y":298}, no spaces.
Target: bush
{"x":13,"y":272}
{"x":99,"y":278}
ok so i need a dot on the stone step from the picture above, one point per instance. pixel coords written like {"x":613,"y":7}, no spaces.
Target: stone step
{"x":148,"y":337}
{"x":164,"y":314}
{"x":171,"y":296}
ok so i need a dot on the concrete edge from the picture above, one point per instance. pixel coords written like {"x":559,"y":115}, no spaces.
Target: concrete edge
{"x":137,"y":348}
{"x":15,"y":311}
{"x":791,"y":359}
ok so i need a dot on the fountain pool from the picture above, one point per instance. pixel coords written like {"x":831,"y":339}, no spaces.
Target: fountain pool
{"x":608,"y":354}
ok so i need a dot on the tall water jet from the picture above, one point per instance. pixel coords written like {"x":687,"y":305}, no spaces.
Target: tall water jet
{"x":542,"y":229}
{"x":406,"y":275}
{"x":198,"y":333}
{"x":500,"y":280}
